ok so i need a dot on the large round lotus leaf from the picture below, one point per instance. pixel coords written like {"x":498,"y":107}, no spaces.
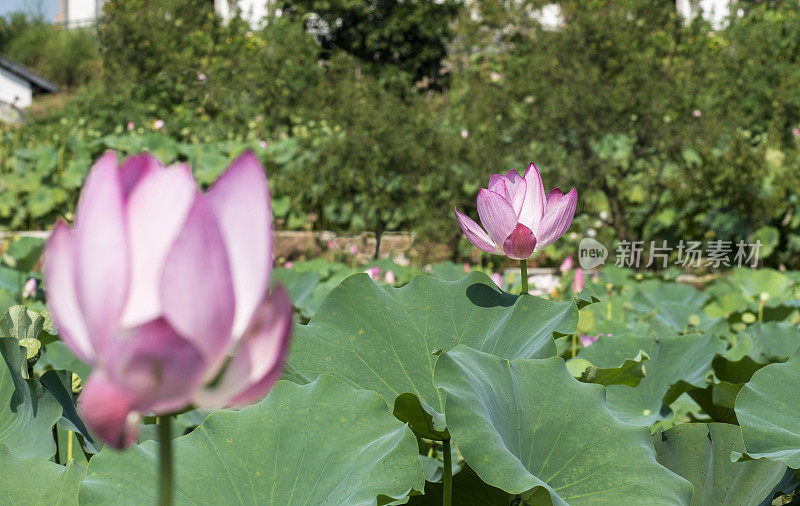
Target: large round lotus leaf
{"x":38,"y":481}
{"x":701,"y":453}
{"x":322,"y":443}
{"x":387,"y":339}
{"x":528,"y":427}
{"x":680,"y":358}
{"x":768,"y":409}
{"x":27,"y":411}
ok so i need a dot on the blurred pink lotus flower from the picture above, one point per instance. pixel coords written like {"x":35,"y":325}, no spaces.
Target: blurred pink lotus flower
{"x":587,"y":340}
{"x":389,"y":277}
{"x":331,"y":244}
{"x":596,"y":277}
{"x":517,"y":215}
{"x":159,"y":124}
{"x":29,"y":290}
{"x":163,"y":289}
{"x":354,"y":250}
{"x":498,"y":279}
{"x":467,"y":267}
{"x":263,"y":144}
{"x":201,"y":77}
{"x":288,"y":265}
{"x":373,"y":272}
{"x":131,"y":126}
{"x":697,"y":113}
{"x":578,"y":282}
{"x":566,"y":265}
{"x":796,"y":132}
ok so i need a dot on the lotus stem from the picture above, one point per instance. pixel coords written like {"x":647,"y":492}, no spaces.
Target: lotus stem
{"x":69,"y":445}
{"x":164,"y":461}
{"x":447,"y":478}
{"x":523,"y":269}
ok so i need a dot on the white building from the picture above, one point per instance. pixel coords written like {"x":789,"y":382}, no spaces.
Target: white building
{"x":75,"y":13}
{"x":18,"y":83}
{"x":715,"y":12}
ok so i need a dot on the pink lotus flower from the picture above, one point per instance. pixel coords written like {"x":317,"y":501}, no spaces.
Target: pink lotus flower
{"x":519,"y":219}
{"x":588,"y":340}
{"x":201,"y":77}
{"x":30,"y":288}
{"x":498,"y":279}
{"x":467,"y":267}
{"x":578,"y":283}
{"x":697,"y":113}
{"x":354,"y":250}
{"x":163,"y":289}
{"x":566,"y":265}
{"x":288,"y":265}
{"x":390,"y":277}
{"x":159,"y":124}
{"x":131,"y":126}
{"x":796,"y":133}
{"x":373,"y":272}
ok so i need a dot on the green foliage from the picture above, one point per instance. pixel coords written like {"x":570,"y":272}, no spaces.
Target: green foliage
{"x":410,"y":35}
{"x":311,"y":444}
{"x":546,"y":458}
{"x":373,"y":337}
{"x":69,"y":58}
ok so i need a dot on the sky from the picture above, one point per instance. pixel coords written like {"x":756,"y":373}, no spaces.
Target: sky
{"x":48,"y":7}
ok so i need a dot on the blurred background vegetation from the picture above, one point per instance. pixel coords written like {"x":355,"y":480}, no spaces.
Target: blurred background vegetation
{"x":382,"y":115}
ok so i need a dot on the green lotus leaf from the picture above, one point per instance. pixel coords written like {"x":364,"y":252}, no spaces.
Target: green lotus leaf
{"x":529,"y":428}
{"x":630,"y":372}
{"x":768,"y":409}
{"x":678,"y":360}
{"x":321,"y":443}
{"x":701,"y":453}
{"x":38,"y":481}
{"x":387,"y":339}
{"x":27,"y":411}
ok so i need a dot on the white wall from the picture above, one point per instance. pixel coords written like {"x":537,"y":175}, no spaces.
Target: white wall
{"x":714,"y":11}
{"x":82,"y":12}
{"x":14,"y":90}
{"x":85,"y":12}
{"x":253,"y":11}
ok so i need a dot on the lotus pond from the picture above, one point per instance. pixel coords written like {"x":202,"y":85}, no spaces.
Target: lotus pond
{"x":639,"y":386}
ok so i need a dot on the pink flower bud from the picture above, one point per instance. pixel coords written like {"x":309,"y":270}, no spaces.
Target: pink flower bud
{"x":389,"y":277}
{"x":578,"y":283}
{"x":588,"y":340}
{"x":29,"y":290}
{"x":373,"y":272}
{"x":566,"y":265}
{"x":498,"y":279}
